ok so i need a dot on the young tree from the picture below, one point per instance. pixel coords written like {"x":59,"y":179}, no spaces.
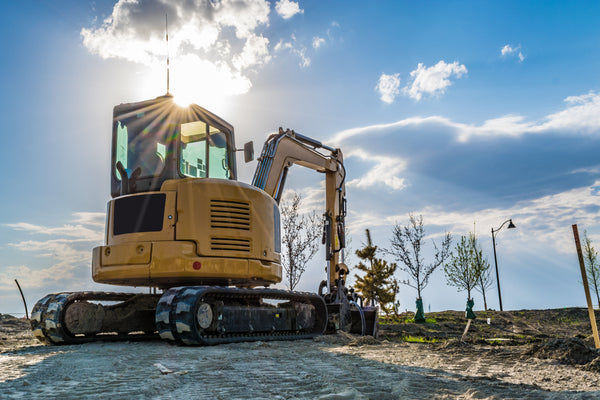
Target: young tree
{"x":486,"y":280}
{"x":299,"y":240}
{"x":378,"y":285}
{"x":407,"y":243}
{"x":592,"y":267}
{"x":462,"y":270}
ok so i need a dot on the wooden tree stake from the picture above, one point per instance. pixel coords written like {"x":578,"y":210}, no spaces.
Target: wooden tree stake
{"x":464,"y":335}
{"x":586,"y":287}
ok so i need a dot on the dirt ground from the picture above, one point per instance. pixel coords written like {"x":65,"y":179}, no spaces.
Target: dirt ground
{"x":533,"y":354}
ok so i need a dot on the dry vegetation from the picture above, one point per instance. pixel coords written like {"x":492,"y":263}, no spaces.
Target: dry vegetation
{"x":506,"y":327}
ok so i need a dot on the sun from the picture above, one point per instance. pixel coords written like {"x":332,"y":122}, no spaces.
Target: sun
{"x":209,"y":84}
{"x":192,"y":80}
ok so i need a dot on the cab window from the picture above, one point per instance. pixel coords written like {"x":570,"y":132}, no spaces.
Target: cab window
{"x":203,"y":151}
{"x":141,"y":147}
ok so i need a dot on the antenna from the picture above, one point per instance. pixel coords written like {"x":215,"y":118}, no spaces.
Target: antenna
{"x":167,"y":38}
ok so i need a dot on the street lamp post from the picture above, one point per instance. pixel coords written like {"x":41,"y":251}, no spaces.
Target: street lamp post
{"x":510,"y":226}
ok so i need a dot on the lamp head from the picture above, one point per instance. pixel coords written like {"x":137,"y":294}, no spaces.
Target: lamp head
{"x":510,"y":225}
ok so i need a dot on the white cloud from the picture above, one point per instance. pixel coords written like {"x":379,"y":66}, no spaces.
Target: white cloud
{"x":221,"y":37}
{"x":508,"y":50}
{"x":77,"y":231}
{"x":62,"y":249}
{"x":318,"y":42}
{"x":340,"y":137}
{"x":255,"y":52}
{"x":36,"y":277}
{"x":90,"y":218}
{"x":582,"y":99}
{"x":388,"y":87}
{"x":68,"y":250}
{"x":581,"y":116}
{"x":384,"y":172}
{"x":545,"y":221}
{"x":287,"y":9}
{"x":433,"y":80}
{"x":546,"y":216}
{"x":295,"y":48}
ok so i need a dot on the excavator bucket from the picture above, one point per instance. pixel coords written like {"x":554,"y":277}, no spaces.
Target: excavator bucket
{"x":365,"y":321}
{"x":348,"y":316}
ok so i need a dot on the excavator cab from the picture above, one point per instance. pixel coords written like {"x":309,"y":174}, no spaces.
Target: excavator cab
{"x":157,"y":140}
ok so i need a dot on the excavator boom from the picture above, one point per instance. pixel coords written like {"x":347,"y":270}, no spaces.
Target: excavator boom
{"x":280,"y":152}
{"x":287,"y":148}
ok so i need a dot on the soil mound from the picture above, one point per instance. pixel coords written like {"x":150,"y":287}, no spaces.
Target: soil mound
{"x":7,"y":321}
{"x":571,"y":351}
{"x":15,"y":332}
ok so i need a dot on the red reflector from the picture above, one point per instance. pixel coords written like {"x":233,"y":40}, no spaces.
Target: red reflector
{"x":197,"y":265}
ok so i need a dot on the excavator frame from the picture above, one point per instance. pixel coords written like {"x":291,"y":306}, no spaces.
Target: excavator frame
{"x":206,"y":240}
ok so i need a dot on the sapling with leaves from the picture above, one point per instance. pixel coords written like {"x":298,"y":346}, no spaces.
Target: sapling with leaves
{"x":462,"y":269}
{"x":592,"y":266}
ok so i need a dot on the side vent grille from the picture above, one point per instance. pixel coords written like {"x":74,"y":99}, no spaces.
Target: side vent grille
{"x":229,"y":244}
{"x":230,"y":214}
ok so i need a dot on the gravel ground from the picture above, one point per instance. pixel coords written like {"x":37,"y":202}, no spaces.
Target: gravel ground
{"x":331,"y":367}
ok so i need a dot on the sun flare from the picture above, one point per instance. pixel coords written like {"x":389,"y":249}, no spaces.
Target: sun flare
{"x":193,"y":80}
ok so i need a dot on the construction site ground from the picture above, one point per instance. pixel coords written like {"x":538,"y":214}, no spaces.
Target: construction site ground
{"x":535,"y":354}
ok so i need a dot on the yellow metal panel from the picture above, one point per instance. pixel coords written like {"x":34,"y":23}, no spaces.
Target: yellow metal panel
{"x":226,"y":218}
{"x":120,"y":274}
{"x":167,"y":263}
{"x":266,"y":271}
{"x":172,"y":264}
{"x":225,"y":227}
{"x":131,"y":253}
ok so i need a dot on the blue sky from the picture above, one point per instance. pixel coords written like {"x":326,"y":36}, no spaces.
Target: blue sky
{"x":468,"y":113}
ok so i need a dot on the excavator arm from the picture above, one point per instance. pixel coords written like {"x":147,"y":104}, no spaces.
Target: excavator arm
{"x":286,"y":148}
{"x":280,"y":152}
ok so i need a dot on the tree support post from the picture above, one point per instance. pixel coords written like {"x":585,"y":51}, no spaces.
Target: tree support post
{"x":586,"y":287}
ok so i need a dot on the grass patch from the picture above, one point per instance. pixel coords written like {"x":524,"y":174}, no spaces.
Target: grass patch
{"x":420,"y":339}
{"x":566,"y":320}
{"x":399,"y":320}
{"x":427,"y":321}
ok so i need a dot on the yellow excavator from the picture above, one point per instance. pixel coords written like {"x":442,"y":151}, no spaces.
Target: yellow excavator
{"x":207,"y":245}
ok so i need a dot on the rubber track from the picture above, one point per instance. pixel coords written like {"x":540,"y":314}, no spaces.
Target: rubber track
{"x":47,"y":320}
{"x":176,"y":310}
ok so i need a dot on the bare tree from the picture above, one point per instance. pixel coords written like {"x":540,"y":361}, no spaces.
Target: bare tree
{"x":592,"y":267}
{"x":486,"y":281}
{"x":407,"y":242}
{"x":299,"y":240}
